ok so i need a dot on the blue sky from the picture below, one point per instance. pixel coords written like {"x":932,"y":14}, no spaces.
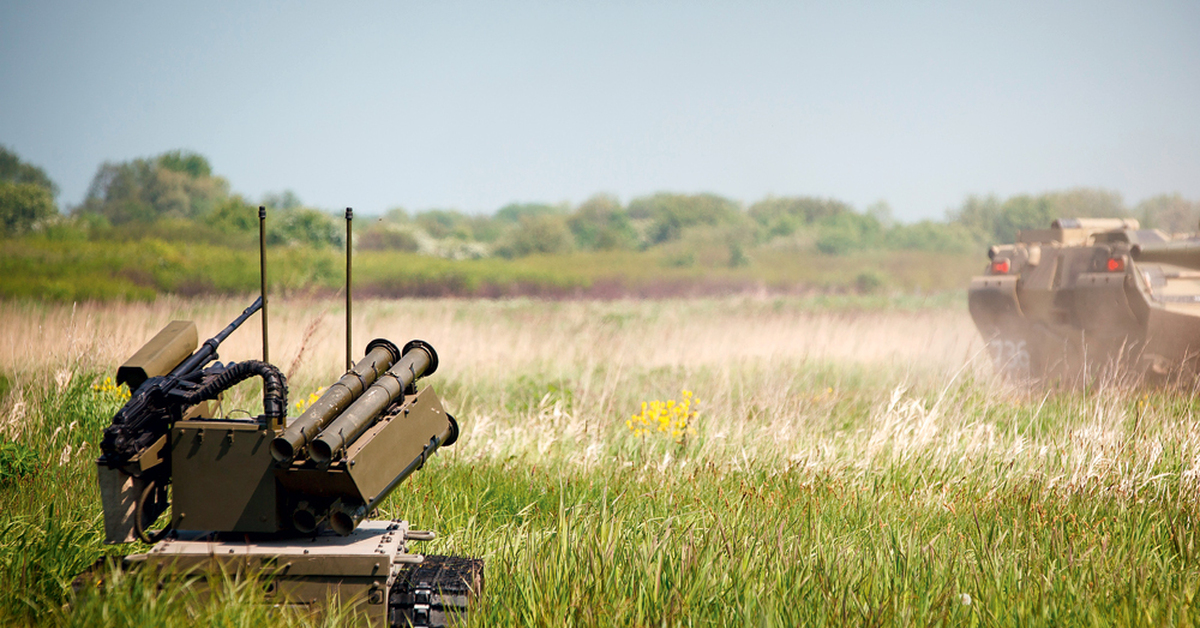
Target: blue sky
{"x":473,"y":105}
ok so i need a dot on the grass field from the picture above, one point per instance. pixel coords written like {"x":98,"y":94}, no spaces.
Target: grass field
{"x":849,"y":462}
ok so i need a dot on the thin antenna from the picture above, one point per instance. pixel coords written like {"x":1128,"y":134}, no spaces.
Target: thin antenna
{"x":262,"y":273}
{"x":349,"y":218}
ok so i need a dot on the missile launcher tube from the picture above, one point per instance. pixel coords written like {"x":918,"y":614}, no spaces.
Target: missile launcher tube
{"x":419,"y":359}
{"x":381,"y":355}
{"x":305,"y":519}
{"x":344,"y":517}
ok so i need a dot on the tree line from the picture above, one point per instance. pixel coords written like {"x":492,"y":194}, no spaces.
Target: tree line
{"x":176,"y":195}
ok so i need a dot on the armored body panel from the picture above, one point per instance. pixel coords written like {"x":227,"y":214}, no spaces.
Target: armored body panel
{"x":1089,"y":297}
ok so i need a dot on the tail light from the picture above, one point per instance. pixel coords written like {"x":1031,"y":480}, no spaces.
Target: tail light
{"x":1001,"y":267}
{"x":1115,"y":264}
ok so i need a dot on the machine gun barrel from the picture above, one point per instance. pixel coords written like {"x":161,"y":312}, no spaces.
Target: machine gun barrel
{"x":147,"y":414}
{"x":208,"y":351}
{"x":419,"y":359}
{"x":381,"y":355}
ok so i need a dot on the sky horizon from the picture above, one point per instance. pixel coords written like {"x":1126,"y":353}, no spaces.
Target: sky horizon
{"x":471,"y":106}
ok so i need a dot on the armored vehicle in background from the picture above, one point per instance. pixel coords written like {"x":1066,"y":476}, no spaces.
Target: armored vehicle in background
{"x":1091,"y":298}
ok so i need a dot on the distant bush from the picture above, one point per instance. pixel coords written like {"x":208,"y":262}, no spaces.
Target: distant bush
{"x":669,"y":214}
{"x":990,"y":220}
{"x":444,"y":223}
{"x":845,"y":232}
{"x":868,"y":282}
{"x":304,"y":226}
{"x":388,"y":237}
{"x":928,"y":235}
{"x":23,"y":205}
{"x":513,"y":213}
{"x":233,"y":215}
{"x":601,"y":224}
{"x":783,"y":216}
{"x":1170,"y":212}
{"x":681,"y":259}
{"x":543,"y":234}
{"x":737,"y":255}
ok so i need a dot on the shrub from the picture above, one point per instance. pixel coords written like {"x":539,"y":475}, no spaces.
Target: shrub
{"x":601,"y":224}
{"x":845,"y":232}
{"x":388,"y":237}
{"x":868,"y":282}
{"x":670,"y":214}
{"x":16,"y":462}
{"x":783,"y":216}
{"x":545,"y":234}
{"x":928,"y":235}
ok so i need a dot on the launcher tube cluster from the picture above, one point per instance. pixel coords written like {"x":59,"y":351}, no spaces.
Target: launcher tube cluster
{"x":419,"y":359}
{"x":360,"y":440}
{"x":381,"y":355}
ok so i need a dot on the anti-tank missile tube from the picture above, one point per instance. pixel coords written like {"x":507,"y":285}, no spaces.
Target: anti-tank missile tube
{"x":381,"y":355}
{"x":419,"y":359}
{"x":344,"y":517}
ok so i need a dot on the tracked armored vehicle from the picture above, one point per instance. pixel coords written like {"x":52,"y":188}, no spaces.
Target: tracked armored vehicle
{"x":288,"y":500}
{"x":1091,"y":298}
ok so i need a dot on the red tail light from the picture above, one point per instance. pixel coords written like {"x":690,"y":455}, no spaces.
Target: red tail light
{"x":1115,"y":265}
{"x":1000,"y":267}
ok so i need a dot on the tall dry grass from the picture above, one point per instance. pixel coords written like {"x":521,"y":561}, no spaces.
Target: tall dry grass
{"x":605,"y":352}
{"x":499,"y":337}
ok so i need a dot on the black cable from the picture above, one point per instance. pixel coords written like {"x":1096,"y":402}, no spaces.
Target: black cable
{"x":274,"y":386}
{"x":139,"y":511}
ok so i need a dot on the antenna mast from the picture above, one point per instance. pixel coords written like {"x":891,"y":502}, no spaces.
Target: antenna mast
{"x":262,"y":273}
{"x":349,"y":247}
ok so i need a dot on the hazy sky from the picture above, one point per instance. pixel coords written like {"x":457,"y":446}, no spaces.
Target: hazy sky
{"x":472,"y":105}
